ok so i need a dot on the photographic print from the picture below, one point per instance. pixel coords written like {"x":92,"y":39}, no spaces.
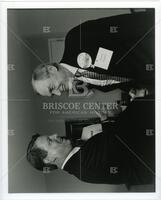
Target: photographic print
{"x":81,"y":100}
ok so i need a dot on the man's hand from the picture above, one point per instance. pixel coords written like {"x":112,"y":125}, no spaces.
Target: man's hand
{"x":134,"y":93}
{"x":101,"y":115}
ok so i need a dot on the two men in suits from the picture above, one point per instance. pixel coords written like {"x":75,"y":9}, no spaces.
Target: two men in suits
{"x":102,"y":59}
{"x":122,"y":153}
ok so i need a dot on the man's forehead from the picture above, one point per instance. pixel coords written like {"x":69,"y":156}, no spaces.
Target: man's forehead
{"x":41,"y":140}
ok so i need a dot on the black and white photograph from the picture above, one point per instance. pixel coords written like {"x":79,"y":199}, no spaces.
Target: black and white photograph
{"x":81,"y":87}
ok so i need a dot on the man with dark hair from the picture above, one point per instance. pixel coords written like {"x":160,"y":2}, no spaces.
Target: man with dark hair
{"x":102,"y":59}
{"x":42,"y":149}
{"x":36,"y":155}
{"x":120,"y":153}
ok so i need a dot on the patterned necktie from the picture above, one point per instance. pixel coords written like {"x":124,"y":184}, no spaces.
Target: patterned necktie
{"x":94,"y":75}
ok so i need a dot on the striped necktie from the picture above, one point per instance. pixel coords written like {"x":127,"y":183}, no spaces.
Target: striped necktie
{"x":94,"y":75}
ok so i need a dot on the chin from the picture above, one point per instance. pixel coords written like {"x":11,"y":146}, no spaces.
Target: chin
{"x":67,"y":142}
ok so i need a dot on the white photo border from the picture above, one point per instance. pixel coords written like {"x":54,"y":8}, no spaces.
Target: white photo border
{"x":4,"y":98}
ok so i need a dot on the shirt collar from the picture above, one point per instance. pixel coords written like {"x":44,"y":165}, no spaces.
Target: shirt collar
{"x":70,"y":68}
{"x":73,"y":151}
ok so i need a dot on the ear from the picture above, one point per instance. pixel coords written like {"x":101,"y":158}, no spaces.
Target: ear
{"x":52,"y":69}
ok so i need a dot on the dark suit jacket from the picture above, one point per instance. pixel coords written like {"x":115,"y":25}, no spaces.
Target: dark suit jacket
{"x":122,"y":153}
{"x":133,"y":46}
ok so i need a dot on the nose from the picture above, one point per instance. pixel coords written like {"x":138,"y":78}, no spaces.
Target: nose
{"x":54,"y":136}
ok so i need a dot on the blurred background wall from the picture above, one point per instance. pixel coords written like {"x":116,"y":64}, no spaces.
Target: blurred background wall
{"x":28,"y":47}
{"x":22,"y":118}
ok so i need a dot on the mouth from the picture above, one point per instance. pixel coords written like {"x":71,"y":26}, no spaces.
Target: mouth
{"x":65,"y":141}
{"x":62,"y":88}
{"x":60,"y":140}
